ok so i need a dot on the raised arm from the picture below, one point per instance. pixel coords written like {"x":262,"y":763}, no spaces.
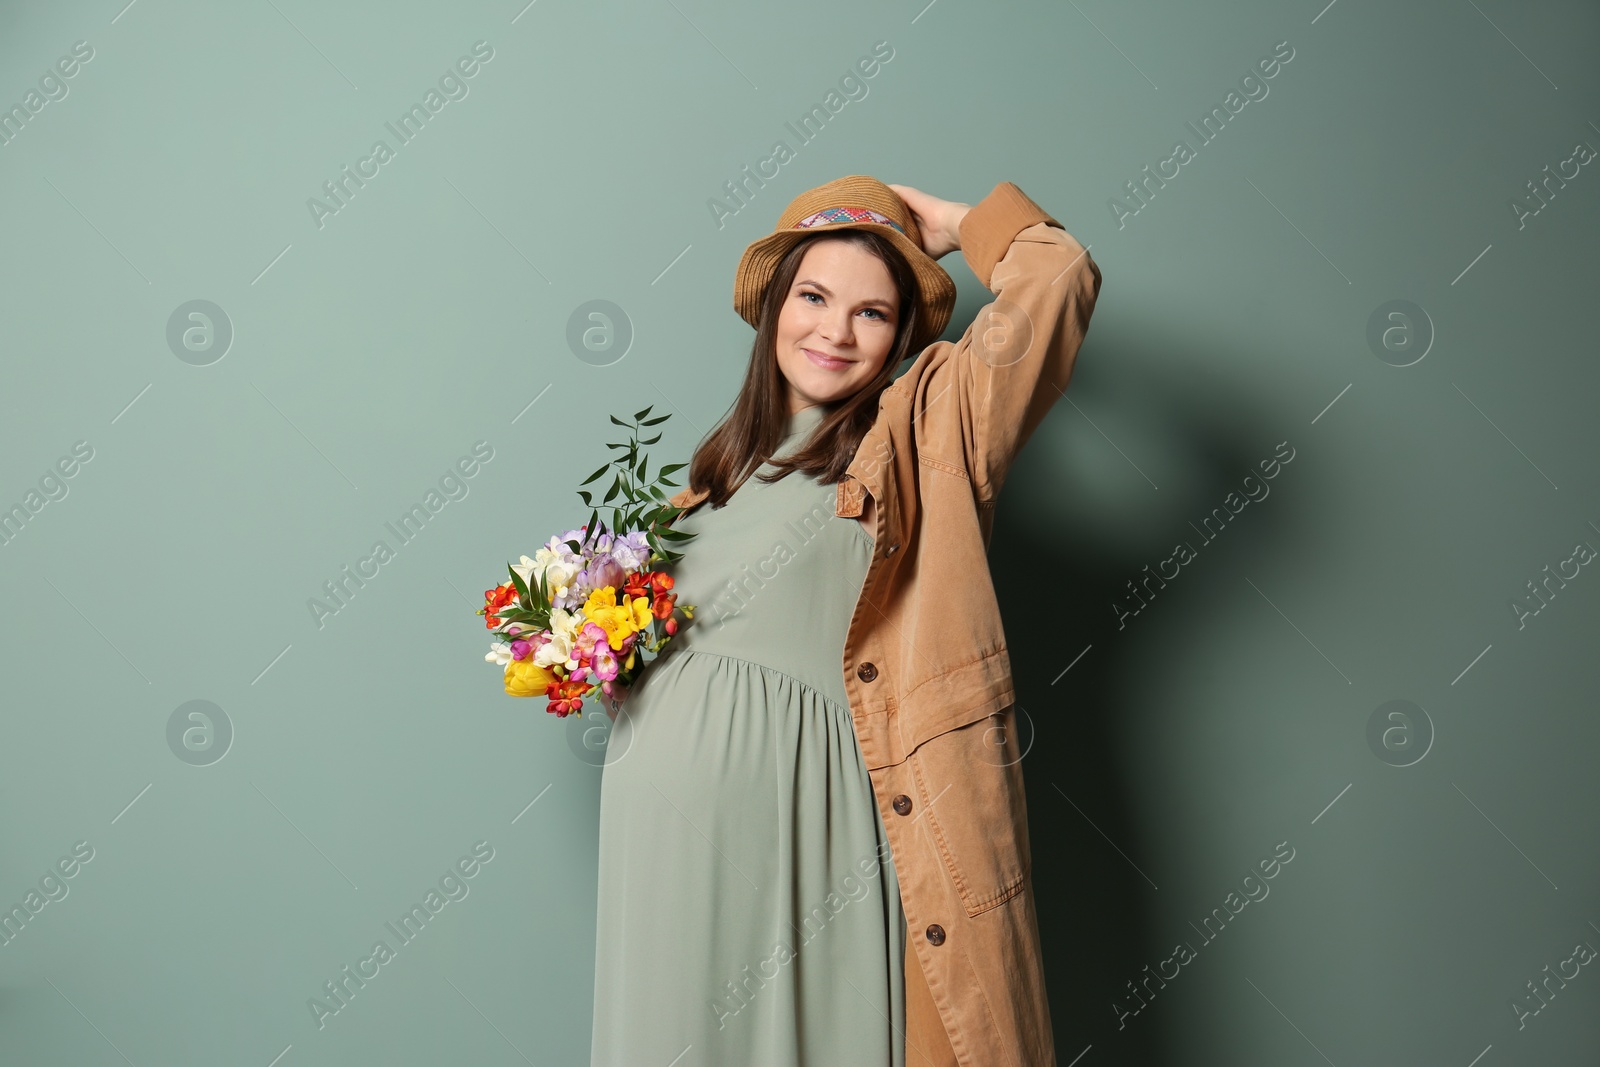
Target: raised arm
{"x":1014,"y":360}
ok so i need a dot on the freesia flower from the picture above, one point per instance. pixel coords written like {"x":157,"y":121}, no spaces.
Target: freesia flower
{"x":648,"y":583}
{"x":589,"y":638}
{"x":525,"y":569}
{"x":604,"y":665}
{"x":632,"y":552}
{"x":618,"y":620}
{"x":557,"y":562}
{"x":567,"y":697}
{"x":558,"y":647}
{"x":495,"y":599}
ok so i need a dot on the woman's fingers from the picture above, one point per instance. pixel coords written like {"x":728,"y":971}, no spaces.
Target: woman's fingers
{"x":933,"y":219}
{"x":921,"y":205}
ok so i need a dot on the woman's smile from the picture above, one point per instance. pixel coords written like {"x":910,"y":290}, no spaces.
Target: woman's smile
{"x":826,"y":362}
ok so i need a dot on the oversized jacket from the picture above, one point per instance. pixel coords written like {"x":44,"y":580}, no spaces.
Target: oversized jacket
{"x":925,"y":661}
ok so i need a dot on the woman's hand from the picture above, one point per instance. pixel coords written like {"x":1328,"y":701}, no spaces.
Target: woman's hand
{"x":613,"y":704}
{"x":938,"y":220}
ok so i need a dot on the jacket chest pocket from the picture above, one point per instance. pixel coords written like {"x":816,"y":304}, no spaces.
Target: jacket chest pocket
{"x":969,"y":786}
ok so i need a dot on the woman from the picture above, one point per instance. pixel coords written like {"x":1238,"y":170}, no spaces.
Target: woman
{"x":806,"y":865}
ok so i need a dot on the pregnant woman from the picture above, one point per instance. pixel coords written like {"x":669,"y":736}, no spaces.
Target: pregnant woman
{"x":813,"y":838}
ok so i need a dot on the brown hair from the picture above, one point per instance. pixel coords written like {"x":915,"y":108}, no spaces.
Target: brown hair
{"x":754,"y":426}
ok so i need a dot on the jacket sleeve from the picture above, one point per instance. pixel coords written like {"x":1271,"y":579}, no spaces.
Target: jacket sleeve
{"x":1013,"y":361}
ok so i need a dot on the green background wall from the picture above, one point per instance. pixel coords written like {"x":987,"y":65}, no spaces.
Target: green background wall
{"x":1441,"y":461}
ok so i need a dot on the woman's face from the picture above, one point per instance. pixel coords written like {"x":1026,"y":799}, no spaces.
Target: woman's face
{"x":837,"y":323}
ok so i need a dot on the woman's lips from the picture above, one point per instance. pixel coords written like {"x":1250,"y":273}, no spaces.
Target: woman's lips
{"x":825,"y":362}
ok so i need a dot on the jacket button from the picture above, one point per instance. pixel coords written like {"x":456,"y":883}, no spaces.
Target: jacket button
{"x":935,"y":934}
{"x":866,"y":672}
{"x":902,"y":804}
{"x":891,"y":549}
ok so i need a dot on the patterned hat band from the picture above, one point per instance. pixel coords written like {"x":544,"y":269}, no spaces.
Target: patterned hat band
{"x":848,"y":214}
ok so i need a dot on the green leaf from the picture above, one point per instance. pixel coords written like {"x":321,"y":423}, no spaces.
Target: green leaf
{"x":669,"y":468}
{"x":637,"y":415}
{"x":595,"y":475}
{"x":516,"y":580}
{"x":619,"y":422}
{"x":657,"y":419}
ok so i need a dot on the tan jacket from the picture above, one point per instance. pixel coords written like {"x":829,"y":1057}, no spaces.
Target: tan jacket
{"x":925,"y":660}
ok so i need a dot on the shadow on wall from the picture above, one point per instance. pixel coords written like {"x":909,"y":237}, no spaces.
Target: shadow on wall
{"x":1097,"y":917}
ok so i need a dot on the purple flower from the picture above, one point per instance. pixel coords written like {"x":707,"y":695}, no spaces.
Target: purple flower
{"x":632,"y":551}
{"x":591,"y":637}
{"x":605,"y":664}
{"x":605,"y":571}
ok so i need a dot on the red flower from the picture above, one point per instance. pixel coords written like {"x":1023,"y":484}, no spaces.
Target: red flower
{"x":567,"y":696}
{"x":636,"y":583}
{"x":662,"y":607}
{"x":494,"y":600}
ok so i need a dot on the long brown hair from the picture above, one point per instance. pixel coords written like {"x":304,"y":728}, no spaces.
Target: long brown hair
{"x":754,"y":426}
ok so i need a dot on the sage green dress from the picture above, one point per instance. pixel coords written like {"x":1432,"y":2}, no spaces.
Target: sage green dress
{"x":748,"y":910}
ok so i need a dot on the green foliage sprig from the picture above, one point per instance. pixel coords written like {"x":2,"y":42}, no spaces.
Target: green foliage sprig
{"x":643,"y":504}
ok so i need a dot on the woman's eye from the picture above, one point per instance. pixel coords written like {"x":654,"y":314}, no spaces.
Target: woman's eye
{"x":806,"y":294}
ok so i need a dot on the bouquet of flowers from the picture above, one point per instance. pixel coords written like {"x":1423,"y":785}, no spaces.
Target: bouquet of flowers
{"x":577,"y":617}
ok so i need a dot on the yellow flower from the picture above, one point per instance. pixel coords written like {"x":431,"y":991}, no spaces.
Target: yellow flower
{"x":524,"y":678}
{"x":604,"y":597}
{"x":618,"y":621}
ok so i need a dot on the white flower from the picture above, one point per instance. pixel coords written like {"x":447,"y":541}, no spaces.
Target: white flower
{"x":499,"y":653}
{"x":563,"y":633}
{"x":558,"y":563}
{"x":632,"y":551}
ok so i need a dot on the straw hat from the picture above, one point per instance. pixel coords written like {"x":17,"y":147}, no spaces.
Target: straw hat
{"x":855,"y":202}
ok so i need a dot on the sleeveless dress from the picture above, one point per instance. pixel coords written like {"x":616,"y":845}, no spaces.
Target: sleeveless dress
{"x":748,"y":910}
